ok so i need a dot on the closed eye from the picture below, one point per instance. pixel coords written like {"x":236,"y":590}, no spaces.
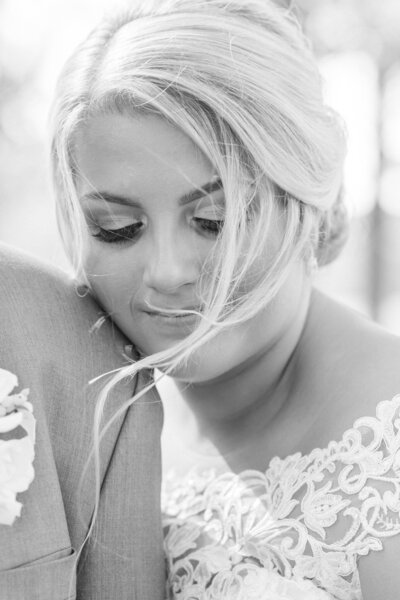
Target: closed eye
{"x":119,"y":236}
{"x":132,"y":231}
{"x":210,"y":226}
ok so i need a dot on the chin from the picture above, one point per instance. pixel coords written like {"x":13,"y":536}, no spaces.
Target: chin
{"x":189,"y":371}
{"x":194,"y":372}
{"x":207,"y":364}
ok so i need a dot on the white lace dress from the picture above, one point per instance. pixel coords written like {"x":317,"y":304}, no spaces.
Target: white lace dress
{"x":301,"y":525}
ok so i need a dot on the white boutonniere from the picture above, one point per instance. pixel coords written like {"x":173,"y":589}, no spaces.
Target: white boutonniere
{"x":16,"y":453}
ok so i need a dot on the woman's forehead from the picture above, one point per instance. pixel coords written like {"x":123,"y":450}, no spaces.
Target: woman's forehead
{"x":143,"y":133}
{"x":145,"y":153}
{"x":139,"y":140}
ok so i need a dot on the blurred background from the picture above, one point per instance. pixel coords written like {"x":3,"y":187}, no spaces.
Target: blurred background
{"x":358,"y":47}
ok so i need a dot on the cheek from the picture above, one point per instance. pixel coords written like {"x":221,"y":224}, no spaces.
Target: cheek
{"x":229,"y":350}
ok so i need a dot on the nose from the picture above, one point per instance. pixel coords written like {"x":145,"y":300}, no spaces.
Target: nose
{"x":170,"y":264}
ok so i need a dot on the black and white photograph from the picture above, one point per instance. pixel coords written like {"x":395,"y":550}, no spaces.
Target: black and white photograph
{"x":199,"y":300}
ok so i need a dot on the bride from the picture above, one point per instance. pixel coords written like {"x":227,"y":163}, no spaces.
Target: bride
{"x":198,"y":176}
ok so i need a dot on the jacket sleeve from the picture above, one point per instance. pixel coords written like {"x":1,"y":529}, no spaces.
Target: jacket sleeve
{"x":36,"y":556}
{"x":48,"y":340}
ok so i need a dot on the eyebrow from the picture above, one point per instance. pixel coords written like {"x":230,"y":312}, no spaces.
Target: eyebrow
{"x":196,"y":194}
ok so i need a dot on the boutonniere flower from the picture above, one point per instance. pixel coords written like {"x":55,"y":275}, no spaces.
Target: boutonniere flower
{"x":16,"y":450}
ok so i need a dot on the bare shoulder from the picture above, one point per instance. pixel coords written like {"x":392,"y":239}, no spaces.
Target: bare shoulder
{"x":359,"y":367}
{"x":353,"y":364}
{"x":378,"y":379}
{"x":358,"y":361}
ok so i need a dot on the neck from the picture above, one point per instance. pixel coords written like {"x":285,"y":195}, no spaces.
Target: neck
{"x":245,"y":400}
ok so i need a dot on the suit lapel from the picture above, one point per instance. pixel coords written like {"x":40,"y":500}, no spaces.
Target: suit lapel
{"x":124,"y":557}
{"x":72,"y":436}
{"x":125,"y":553}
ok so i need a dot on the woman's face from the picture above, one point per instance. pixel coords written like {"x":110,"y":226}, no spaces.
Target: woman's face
{"x":154,"y":206}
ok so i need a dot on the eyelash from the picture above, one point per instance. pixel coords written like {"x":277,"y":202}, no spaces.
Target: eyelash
{"x":210,"y":225}
{"x":130,"y":232}
{"x":118,"y":236}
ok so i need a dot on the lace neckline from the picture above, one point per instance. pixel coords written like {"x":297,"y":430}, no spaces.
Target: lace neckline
{"x":223,"y":469}
{"x":306,"y":517}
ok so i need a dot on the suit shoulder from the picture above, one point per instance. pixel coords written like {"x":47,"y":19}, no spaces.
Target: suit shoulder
{"x":38,"y":299}
{"x":30,"y":283}
{"x":20,"y":271}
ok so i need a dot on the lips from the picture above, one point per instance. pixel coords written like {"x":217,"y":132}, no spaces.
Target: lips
{"x":165,"y":311}
{"x":172,"y":324}
{"x":170,"y":315}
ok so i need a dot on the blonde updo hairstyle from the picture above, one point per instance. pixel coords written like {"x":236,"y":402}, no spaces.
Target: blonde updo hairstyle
{"x":240,"y":80}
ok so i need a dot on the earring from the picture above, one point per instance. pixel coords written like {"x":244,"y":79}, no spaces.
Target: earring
{"x":128,"y":353}
{"x":131,"y":353}
{"x":81,"y":289}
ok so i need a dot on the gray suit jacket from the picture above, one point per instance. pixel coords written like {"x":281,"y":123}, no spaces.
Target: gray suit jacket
{"x":45,"y":340}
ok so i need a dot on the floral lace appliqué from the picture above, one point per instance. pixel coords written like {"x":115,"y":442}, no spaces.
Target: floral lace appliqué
{"x":306,"y":519}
